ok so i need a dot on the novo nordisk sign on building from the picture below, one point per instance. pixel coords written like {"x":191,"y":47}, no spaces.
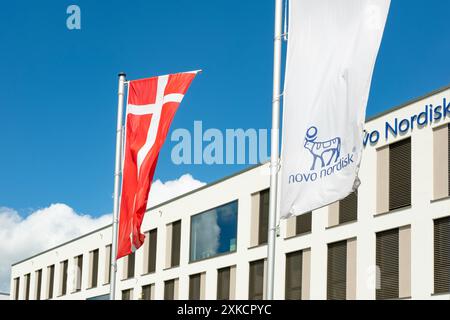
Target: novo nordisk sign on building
{"x":392,"y":128}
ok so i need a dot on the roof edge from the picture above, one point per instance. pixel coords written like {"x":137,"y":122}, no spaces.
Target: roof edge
{"x":414,"y":100}
{"x":62,"y":244}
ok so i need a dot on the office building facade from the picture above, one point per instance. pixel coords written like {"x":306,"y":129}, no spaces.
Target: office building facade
{"x":389,"y":240}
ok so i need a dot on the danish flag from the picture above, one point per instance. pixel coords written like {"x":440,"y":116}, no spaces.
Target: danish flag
{"x":151,"y":106}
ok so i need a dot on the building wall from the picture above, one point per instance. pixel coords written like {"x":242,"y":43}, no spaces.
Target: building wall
{"x":416,"y":234}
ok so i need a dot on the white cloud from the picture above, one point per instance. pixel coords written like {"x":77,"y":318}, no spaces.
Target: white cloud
{"x":21,"y":237}
{"x":205,"y":244}
{"x":161,"y":192}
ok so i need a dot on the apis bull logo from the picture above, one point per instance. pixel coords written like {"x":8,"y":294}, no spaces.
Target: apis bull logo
{"x":326,"y":152}
{"x":327,"y":159}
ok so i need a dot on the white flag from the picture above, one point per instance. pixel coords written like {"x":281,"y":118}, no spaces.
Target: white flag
{"x":332,"y":48}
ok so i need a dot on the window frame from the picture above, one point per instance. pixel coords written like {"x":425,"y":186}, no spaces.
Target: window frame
{"x":378,"y":293}
{"x":222,"y":253}
{"x":339,"y":279}
{"x":252,"y":295}
{"x":391,"y":206}
{"x":288,"y":275}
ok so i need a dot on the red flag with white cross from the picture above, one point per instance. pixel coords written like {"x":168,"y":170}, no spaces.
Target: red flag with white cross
{"x":151,"y":106}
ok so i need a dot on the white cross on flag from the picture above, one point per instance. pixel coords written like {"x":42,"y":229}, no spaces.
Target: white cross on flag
{"x":151,"y":106}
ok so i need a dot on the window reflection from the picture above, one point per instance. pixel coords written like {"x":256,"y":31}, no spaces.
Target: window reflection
{"x":214,"y":232}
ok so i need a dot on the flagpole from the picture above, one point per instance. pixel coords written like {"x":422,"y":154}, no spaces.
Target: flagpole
{"x":274,"y":153}
{"x":117,"y":172}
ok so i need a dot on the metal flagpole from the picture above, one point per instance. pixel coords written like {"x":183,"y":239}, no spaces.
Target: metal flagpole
{"x":274,"y":153}
{"x":117,"y":172}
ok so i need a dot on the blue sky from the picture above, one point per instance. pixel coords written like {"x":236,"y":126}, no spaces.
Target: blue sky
{"x":58,"y":87}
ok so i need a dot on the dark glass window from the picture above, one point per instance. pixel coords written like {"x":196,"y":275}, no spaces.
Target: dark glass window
{"x":130,"y":267}
{"x":195,"y":283}
{"x":387,"y":255}
{"x":38,"y":284}
{"x":127,"y":294}
{"x":79,"y":272}
{"x":348,"y":208}
{"x":169,"y":289}
{"x":64,"y":269}
{"x":214,"y":232}
{"x":27,"y":286}
{"x":442,"y":255}
{"x":51,"y":280}
{"x":147,"y":292}
{"x":256,"y":280}
{"x":94,"y":269}
{"x":400,"y":174}
{"x":176,"y":243}
{"x":303,"y":223}
{"x":152,"y":238}
{"x":337,"y":271}
{"x":16,"y":288}
{"x":223,"y":283}
{"x":293,"y":288}
{"x":263,"y":227}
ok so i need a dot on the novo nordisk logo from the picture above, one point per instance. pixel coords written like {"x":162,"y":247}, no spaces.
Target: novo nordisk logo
{"x":327,"y":150}
{"x":326,"y":157}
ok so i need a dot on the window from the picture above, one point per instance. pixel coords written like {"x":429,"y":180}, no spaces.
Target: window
{"x":345,"y":210}
{"x":263,"y":227}
{"x":442,"y":255}
{"x":382,"y":177}
{"x":176,"y":243}
{"x":337,"y":271}
{"x":93,"y":282}
{"x":127,"y":294}
{"x":348,"y":208}
{"x":51,"y":280}
{"x":303,"y":223}
{"x":394,"y":176}
{"x":108,"y":250}
{"x":150,"y":251}
{"x":169,"y":289}
{"x":387,"y":253}
{"x":38,"y":284}
{"x":299,"y":225}
{"x":130,"y":266}
{"x":400,"y":174}
{"x":256,"y":280}
{"x":64,"y":268}
{"x":293,"y":286}
{"x":441,"y":162}
{"x":16,"y":288}
{"x":195,"y":284}
{"x":147,"y":292}
{"x":214,"y":232}
{"x":27,"y":286}
{"x":78,"y":272}
{"x":223,"y":283}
